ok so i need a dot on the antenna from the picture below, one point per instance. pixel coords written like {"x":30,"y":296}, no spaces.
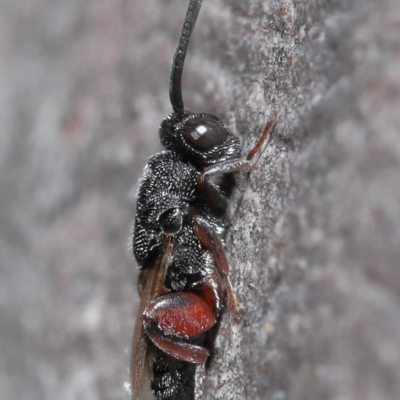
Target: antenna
{"x":175,"y":84}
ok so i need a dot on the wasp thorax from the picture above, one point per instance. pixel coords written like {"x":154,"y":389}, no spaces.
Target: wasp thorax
{"x":204,"y":133}
{"x":171,"y":221}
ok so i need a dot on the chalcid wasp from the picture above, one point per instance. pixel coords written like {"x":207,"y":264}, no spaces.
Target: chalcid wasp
{"x":178,"y":243}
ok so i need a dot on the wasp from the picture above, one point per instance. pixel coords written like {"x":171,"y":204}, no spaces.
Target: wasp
{"x":178,"y":242}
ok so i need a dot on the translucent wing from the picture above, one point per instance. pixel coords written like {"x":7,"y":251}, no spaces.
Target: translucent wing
{"x":142,"y":349}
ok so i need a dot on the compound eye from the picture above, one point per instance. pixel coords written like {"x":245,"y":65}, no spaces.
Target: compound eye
{"x":171,"y":221}
{"x":204,"y":133}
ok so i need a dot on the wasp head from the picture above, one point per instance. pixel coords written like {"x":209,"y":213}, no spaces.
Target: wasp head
{"x":201,"y":138}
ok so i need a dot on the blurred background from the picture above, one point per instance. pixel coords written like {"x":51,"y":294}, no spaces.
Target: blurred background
{"x":83,"y":88}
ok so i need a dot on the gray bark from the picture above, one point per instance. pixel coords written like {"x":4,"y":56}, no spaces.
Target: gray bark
{"x":314,"y":230}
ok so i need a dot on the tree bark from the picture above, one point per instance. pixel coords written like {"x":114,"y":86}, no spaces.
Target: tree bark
{"x":314,"y":227}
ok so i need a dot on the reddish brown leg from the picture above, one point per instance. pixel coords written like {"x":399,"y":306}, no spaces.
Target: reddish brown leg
{"x":180,"y":350}
{"x":264,"y":136}
{"x":211,"y":192}
{"x":211,"y":241}
{"x":174,"y":317}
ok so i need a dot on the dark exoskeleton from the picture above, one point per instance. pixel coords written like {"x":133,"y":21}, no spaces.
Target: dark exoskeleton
{"x":178,"y":243}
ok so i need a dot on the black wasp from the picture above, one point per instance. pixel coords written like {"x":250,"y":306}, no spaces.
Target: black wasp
{"x":178,"y":243}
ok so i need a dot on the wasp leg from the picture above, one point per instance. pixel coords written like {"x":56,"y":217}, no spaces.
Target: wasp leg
{"x":267,"y":130}
{"x":211,"y":192}
{"x":211,"y":241}
{"x":179,"y":350}
{"x":174,"y":317}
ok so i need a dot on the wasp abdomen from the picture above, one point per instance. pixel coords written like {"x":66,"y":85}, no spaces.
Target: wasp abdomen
{"x":172,"y":379}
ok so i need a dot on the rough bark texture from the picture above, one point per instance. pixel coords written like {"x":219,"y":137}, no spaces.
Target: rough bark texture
{"x":314,"y":240}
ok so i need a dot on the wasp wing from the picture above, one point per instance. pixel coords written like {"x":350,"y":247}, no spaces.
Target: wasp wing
{"x":142,"y":349}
